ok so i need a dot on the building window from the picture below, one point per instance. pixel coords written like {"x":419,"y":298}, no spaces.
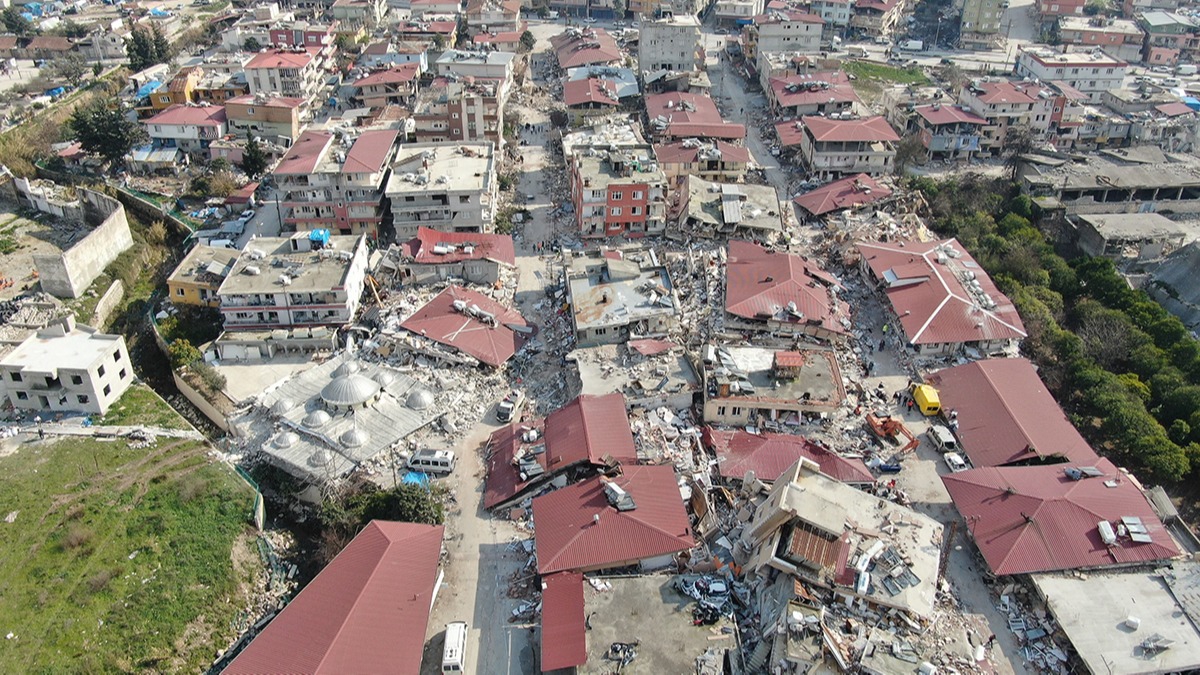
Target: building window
{"x":617,"y":196}
{"x":75,"y":379}
{"x":22,"y":396}
{"x":249,"y":111}
{"x":83,"y":398}
{"x":616,"y":211}
{"x":635,"y":211}
{"x":122,"y":374}
{"x":107,"y":390}
{"x":100,"y":371}
{"x":179,"y":292}
{"x":16,"y":377}
{"x":721,"y":410}
{"x":736,"y":412}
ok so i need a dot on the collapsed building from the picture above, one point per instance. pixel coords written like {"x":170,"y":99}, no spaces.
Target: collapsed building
{"x":774,"y":389}
{"x":616,"y":296}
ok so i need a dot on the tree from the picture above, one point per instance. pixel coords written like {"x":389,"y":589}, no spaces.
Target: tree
{"x":162,"y":46}
{"x":254,"y":160}
{"x":70,"y":67}
{"x":72,"y":29}
{"x":97,"y":68}
{"x":104,"y":127}
{"x":909,"y":152}
{"x":147,"y":48}
{"x":1018,"y":141}
{"x":251,"y":45}
{"x":182,"y":353}
{"x":528,"y":41}
{"x":15,"y":23}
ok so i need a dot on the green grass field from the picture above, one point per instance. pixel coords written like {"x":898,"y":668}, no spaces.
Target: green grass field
{"x":119,"y":559}
{"x":140,"y":405}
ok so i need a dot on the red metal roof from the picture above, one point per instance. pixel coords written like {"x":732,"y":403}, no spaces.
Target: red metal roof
{"x":692,"y":115}
{"x":587,"y":429}
{"x":762,"y":284}
{"x":564,"y":628}
{"x":924,"y":282}
{"x":593,"y":45}
{"x":789,"y":133}
{"x":492,"y":343}
{"x":864,"y":129}
{"x":589,"y":90}
{"x":1028,"y":519}
{"x":813,"y":88}
{"x":280,"y":59}
{"x":370,"y":151}
{"x":197,"y":115}
{"x":1006,"y":414}
{"x":650,"y":347}
{"x":1004,"y":92}
{"x":768,"y":455}
{"x":498,"y":247}
{"x":305,"y":154}
{"x":1174,"y":109}
{"x":678,"y":153}
{"x":366,"y":612}
{"x":403,"y":72}
{"x":569,"y":535}
{"x":847,"y":193}
{"x":938,"y":114}
{"x":503,"y":481}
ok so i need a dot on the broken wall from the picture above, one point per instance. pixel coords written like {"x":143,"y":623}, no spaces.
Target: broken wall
{"x":69,"y":273}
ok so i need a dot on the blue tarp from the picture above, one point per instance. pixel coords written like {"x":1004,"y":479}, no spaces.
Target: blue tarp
{"x":158,"y":12}
{"x":415,"y":478}
{"x":1192,"y":102}
{"x":57,"y":91}
{"x":148,"y":88}
{"x":321,"y":236}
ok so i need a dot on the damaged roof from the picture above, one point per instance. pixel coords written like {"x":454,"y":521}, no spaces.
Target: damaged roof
{"x":770,"y":286}
{"x":847,"y":193}
{"x":577,"y":528}
{"x":472,"y":323}
{"x":1005,"y":414}
{"x":458,"y":246}
{"x":682,"y":114}
{"x":940,"y":293}
{"x":1041,"y":519}
{"x":768,"y":455}
{"x":589,"y":429}
{"x":365,"y":612}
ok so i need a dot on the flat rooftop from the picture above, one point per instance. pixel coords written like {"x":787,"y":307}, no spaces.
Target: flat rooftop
{"x":646,"y":376}
{"x":818,"y":388}
{"x":421,"y":168}
{"x":1092,"y":612}
{"x":618,"y":293}
{"x":605,"y":167}
{"x":727,"y":206}
{"x":49,"y":350}
{"x":608,"y":133}
{"x":1133,"y":225}
{"x":265,"y":260}
{"x":649,"y":609}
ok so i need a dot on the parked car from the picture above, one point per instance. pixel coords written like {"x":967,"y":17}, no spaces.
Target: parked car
{"x":508,"y":409}
{"x":246,"y":215}
{"x":1171,"y":82}
{"x":943,"y":439}
{"x":955,"y":462}
{"x":589,"y":20}
{"x":1160,"y":69}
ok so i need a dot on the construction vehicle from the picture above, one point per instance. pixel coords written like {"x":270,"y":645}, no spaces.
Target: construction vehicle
{"x":891,"y":429}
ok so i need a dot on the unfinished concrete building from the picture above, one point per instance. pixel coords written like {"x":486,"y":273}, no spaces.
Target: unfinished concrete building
{"x":615,"y":298}
{"x":769,"y":388}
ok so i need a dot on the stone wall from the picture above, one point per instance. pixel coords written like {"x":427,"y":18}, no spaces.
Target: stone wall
{"x":69,"y":273}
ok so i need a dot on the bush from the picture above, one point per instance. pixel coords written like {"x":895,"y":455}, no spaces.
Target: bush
{"x":209,"y":376}
{"x":77,"y":536}
{"x":182,"y":353}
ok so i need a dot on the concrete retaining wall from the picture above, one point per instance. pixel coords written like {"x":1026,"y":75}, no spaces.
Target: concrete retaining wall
{"x":210,"y":411}
{"x":69,"y":273}
{"x":108,"y":302}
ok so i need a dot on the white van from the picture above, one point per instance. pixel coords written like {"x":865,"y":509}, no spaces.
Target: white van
{"x":943,"y":439}
{"x":432,"y":461}
{"x":454,"y":653}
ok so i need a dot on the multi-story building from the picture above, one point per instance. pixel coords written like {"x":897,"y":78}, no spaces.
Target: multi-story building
{"x":1121,"y":38}
{"x":590,"y":98}
{"x":876,"y":18}
{"x":273,"y":118}
{"x":335,"y":181}
{"x":1050,"y":10}
{"x":1132,"y":8}
{"x":198,"y":276}
{"x":670,"y":42}
{"x":190,"y":128}
{"x":1169,"y":36}
{"x":833,"y":148}
{"x":835,"y":13}
{"x":486,"y":65}
{"x":180,"y":90}
{"x":947,"y":131}
{"x":818,"y":92}
{"x":1092,"y":73}
{"x":354,"y":15}
{"x":217,"y":87}
{"x":586,"y":47}
{"x":718,"y":161}
{"x":678,"y":115}
{"x":493,"y":16}
{"x":449,"y":187}
{"x":104,"y":44}
{"x":306,"y":34}
{"x":784,"y":30}
{"x":618,"y":296}
{"x":753,"y":385}
{"x":1006,"y":106}
{"x":980,"y":22}
{"x":387,"y":53}
{"x":396,"y":85}
{"x":733,"y":13}
{"x":65,"y":367}
{"x":425,"y":9}
{"x":453,"y":112}
{"x":288,"y":73}
{"x":307,"y":279}
{"x":621,"y":192}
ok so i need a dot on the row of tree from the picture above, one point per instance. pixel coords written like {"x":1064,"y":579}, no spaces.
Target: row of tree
{"x":1126,"y":371}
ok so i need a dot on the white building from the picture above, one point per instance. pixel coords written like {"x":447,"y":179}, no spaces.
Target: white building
{"x":834,"y":12}
{"x":293,"y":73}
{"x":445,"y":186}
{"x":981,"y":21}
{"x":190,"y":128}
{"x":488,"y":65}
{"x":787,"y":31}
{"x":731,"y":12}
{"x":669,"y":43}
{"x":308,"y":279}
{"x":65,"y":367}
{"x":1092,"y":73}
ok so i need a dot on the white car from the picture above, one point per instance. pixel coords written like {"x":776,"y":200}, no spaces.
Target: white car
{"x":589,"y":20}
{"x":246,"y":215}
{"x":955,"y":462}
{"x":634,"y":24}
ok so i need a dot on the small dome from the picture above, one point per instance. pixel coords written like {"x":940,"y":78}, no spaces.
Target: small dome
{"x":384,"y":377}
{"x":286,"y":440}
{"x":282,"y":405}
{"x":319,"y":458}
{"x":354,"y":438}
{"x":349,"y":391}
{"x":347,"y":368}
{"x":419,"y":399}
{"x":316,"y":419}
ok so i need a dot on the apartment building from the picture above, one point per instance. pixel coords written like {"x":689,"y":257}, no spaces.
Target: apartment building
{"x":179,"y":90}
{"x":670,"y":43}
{"x":833,"y":148}
{"x":876,"y":18}
{"x":308,"y":279}
{"x":1170,"y":38}
{"x":980,"y":22}
{"x":1092,"y":73}
{"x":67,"y":368}
{"x":452,"y":112}
{"x":356,"y":15}
{"x":287,"y":32}
{"x":335,"y":181}
{"x":678,"y":115}
{"x":273,"y":118}
{"x":835,"y":13}
{"x":618,"y":192}
{"x":486,"y":65}
{"x":813,"y":93}
{"x":190,"y":128}
{"x":449,"y":187}
{"x":396,"y":85}
{"x":947,"y":131}
{"x":217,"y":87}
{"x":783,"y":30}
{"x":493,"y":16}
{"x":1121,"y":38}
{"x":717,"y":161}
{"x":732,"y":13}
{"x":1006,"y":106}
{"x":198,"y":276}
{"x":289,"y":73}
{"x":1050,"y":10}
